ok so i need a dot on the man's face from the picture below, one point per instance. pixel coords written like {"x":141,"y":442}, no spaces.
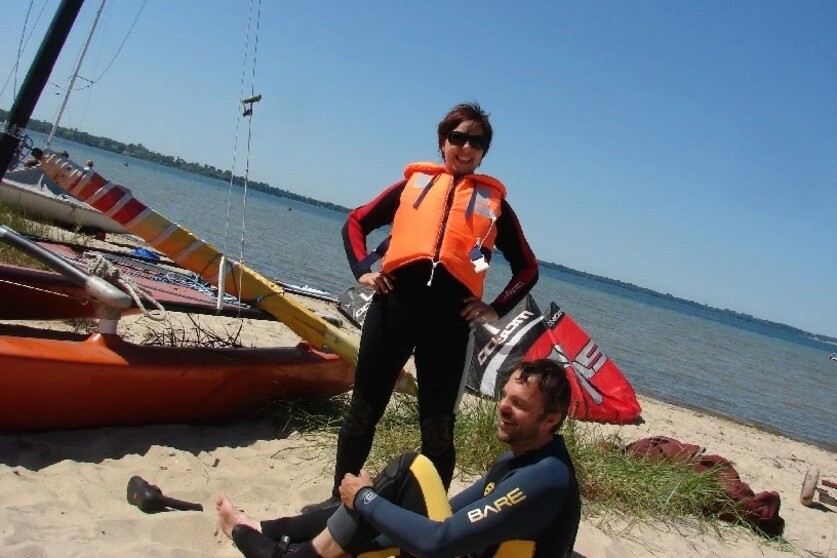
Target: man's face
{"x":521,"y":420}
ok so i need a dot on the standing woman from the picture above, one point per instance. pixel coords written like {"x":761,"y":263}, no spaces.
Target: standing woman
{"x":446,"y":221}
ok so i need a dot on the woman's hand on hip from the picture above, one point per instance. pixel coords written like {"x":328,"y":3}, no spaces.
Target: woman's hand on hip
{"x":378,"y":280}
{"x":477,"y":312}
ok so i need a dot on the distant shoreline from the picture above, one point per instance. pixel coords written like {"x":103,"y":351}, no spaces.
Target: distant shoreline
{"x":139,"y":151}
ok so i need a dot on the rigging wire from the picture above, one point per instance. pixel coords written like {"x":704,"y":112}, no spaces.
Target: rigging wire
{"x":249,"y":115}
{"x":91,"y":82}
{"x":118,"y":50}
{"x":81,"y":56}
{"x":23,"y":45}
{"x":20,"y":44}
{"x":69,"y":88}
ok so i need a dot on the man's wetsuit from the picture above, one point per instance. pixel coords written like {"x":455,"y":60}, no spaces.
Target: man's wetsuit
{"x":529,"y":501}
{"x":527,"y":506}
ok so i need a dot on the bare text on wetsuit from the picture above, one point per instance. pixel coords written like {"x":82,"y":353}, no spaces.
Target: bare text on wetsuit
{"x":514,"y":496}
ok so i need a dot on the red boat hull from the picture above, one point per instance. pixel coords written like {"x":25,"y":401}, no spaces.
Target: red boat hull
{"x":55,"y":382}
{"x":29,"y":294}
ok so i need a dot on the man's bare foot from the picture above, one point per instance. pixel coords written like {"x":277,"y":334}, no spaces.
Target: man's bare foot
{"x":229,"y":516}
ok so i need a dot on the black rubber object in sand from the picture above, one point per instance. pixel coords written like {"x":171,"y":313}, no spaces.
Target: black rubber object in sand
{"x":149,"y":498}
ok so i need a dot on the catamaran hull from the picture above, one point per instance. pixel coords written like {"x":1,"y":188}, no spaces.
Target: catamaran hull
{"x":30,"y":191}
{"x":49,"y":383}
{"x":29,"y":294}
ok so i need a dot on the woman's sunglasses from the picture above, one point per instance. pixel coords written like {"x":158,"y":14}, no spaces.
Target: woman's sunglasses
{"x":458,"y":139}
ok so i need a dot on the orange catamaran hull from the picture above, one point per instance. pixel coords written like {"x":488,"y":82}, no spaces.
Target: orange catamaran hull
{"x":59,"y":382}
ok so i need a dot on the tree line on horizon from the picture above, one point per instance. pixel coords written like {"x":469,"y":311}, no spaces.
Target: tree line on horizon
{"x":139,"y":151}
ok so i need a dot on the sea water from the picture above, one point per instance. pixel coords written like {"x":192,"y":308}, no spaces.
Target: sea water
{"x":670,"y":351}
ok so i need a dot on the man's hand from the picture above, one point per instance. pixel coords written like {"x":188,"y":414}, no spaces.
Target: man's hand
{"x":351,"y":485}
{"x":381,"y":282}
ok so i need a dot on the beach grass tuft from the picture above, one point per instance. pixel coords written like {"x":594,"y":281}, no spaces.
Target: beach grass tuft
{"x":612,"y":480}
{"x":35,"y":226}
{"x":175,"y":334}
{"x":317,"y":417}
{"x":24,"y":224}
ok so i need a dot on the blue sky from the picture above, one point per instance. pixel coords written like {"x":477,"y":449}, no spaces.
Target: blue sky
{"x":687,"y":147}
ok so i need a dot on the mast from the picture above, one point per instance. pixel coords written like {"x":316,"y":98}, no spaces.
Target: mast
{"x":75,"y":74}
{"x":26,"y":99}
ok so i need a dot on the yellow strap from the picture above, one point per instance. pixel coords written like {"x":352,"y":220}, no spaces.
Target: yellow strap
{"x":385,"y":553}
{"x":515,"y":549}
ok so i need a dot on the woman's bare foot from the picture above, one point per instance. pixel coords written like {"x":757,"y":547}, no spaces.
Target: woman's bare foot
{"x":229,"y":516}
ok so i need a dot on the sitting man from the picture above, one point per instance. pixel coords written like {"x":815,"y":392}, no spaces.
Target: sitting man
{"x":526,"y":505}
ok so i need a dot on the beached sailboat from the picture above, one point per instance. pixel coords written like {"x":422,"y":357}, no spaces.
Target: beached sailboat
{"x":51,"y":380}
{"x":179,"y":244}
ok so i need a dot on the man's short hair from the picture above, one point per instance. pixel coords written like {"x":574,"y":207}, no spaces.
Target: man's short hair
{"x":553,"y":384}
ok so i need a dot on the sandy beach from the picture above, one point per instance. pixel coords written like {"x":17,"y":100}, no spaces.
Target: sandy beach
{"x":64,"y":493}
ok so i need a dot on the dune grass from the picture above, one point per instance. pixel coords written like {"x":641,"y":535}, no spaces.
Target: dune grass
{"x":37,"y":226}
{"x":24,"y":224}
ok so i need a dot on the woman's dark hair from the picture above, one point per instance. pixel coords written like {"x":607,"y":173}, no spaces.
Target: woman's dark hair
{"x":553,"y":384}
{"x":462,"y":113}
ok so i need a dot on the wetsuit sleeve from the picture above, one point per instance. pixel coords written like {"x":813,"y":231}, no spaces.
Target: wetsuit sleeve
{"x":468,"y":496}
{"x":521,"y":506}
{"x":365,"y":219}
{"x":524,"y":266}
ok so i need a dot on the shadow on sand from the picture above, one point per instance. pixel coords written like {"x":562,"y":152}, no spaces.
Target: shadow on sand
{"x":38,"y":450}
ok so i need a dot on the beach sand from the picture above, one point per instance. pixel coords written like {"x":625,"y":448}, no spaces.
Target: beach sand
{"x":64,"y":493}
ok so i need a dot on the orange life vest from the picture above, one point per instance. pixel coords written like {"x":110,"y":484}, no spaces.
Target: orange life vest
{"x":444,"y":222}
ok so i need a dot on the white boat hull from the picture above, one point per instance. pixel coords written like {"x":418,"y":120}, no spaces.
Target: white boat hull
{"x":30,"y":191}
